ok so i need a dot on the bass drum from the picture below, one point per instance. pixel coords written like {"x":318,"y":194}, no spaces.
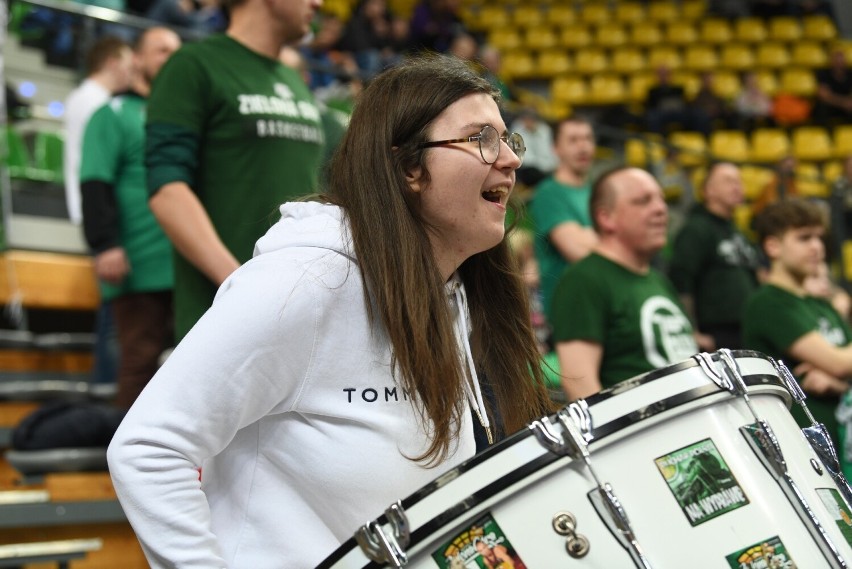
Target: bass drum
{"x":697,"y":465}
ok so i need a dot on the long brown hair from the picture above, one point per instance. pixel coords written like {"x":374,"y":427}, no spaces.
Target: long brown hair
{"x":403,"y":287}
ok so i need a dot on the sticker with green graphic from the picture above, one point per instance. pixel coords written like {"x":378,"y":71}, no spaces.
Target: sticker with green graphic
{"x":838,"y":509}
{"x":701,"y":482}
{"x":769,"y":553}
{"x":481,"y":545}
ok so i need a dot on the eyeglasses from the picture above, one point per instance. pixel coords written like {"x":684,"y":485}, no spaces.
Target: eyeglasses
{"x":489,"y":143}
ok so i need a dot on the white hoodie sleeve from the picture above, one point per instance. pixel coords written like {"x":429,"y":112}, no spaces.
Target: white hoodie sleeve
{"x":246,"y":357}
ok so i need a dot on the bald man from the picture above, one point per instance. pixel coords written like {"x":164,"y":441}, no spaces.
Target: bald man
{"x":614,"y":316}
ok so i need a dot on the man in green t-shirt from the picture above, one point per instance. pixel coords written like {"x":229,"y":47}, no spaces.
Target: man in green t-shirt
{"x":614,"y":316}
{"x":713,"y":265}
{"x":783,"y":321}
{"x":560,"y":206}
{"x":231,"y":134}
{"x":132,"y":255}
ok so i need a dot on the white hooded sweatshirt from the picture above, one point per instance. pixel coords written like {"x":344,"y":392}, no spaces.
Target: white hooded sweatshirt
{"x":283,"y":394}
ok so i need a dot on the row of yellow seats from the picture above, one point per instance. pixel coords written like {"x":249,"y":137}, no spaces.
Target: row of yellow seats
{"x":524,"y":63}
{"x":679,"y":32}
{"x":611,"y":88}
{"x":482,"y":15}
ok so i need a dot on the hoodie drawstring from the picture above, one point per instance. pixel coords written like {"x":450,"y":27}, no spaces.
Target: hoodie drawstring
{"x":474,"y":395}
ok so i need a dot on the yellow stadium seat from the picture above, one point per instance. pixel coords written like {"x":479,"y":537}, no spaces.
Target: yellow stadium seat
{"x":785,"y":29}
{"x":527,"y":16}
{"x":729,"y":145}
{"x":610,"y":35}
{"x":561,"y":15}
{"x":819,"y":27}
{"x":595,"y":14}
{"x":681,"y":33}
{"x":540,"y":38}
{"x":638,"y":85}
{"x":798,"y":81}
{"x":772,"y":55}
{"x":645,"y":34}
{"x":769,"y":145}
{"x":832,"y":170}
{"x":627,"y":60}
{"x":691,"y":147}
{"x":809,"y":54}
{"x":692,"y":10}
{"x":767,"y":81}
{"x":726,"y":84}
{"x":492,"y":17}
{"x":750,"y":30}
{"x":553,"y":62}
{"x":716,"y":31}
{"x":629,"y":12}
{"x":570,"y":89}
{"x":700,"y":57}
{"x":737,"y":56}
{"x":662,"y":11}
{"x":689,"y":80}
{"x":809,"y":182}
{"x":812,"y":144}
{"x":843,"y":141}
{"x":575,"y":36}
{"x":518,"y":65}
{"x":553,"y":111}
{"x":643,"y":152}
{"x":755,"y":179}
{"x":664,"y":55}
{"x":590,"y":60}
{"x":505,"y":39}
{"x":742,"y":219}
{"x":606,"y":89}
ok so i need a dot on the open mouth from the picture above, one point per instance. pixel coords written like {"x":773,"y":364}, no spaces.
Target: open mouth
{"x":496,"y":195}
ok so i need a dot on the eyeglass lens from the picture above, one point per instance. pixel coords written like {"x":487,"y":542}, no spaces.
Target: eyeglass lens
{"x":489,"y":144}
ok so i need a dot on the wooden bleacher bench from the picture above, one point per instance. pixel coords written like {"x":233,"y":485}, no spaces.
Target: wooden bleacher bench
{"x":59,"y":552}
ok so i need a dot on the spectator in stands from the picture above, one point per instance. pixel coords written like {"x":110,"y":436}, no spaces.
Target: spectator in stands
{"x":613,"y":315}
{"x":834,"y":90}
{"x":110,"y":65}
{"x":666,"y":106}
{"x":464,"y":47}
{"x":491,"y":61}
{"x":785,"y":322}
{"x":540,"y":160}
{"x":560,"y":205}
{"x":273,"y":390}
{"x":434,"y":24}
{"x":334,"y":74}
{"x":205,"y":16}
{"x":782,"y":184}
{"x":841,"y":191}
{"x":753,"y":106}
{"x":369,"y":35}
{"x":769,"y":8}
{"x":707,"y":102}
{"x":231,"y":134}
{"x":713,"y":265}
{"x":133,"y":257}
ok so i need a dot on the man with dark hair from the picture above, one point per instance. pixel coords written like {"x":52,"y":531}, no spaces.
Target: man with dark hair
{"x":231,"y":134}
{"x":109,"y":64}
{"x":560,"y":206}
{"x":614,"y":316}
{"x":783,"y":321}
{"x":133,"y":257}
{"x":713,"y":265}
{"x":834,"y":90}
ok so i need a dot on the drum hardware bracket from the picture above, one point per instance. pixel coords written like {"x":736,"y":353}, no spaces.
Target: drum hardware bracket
{"x":565,"y":524}
{"x":815,"y":465}
{"x":383,"y":547}
{"x":612,"y":513}
{"x":764,"y":443}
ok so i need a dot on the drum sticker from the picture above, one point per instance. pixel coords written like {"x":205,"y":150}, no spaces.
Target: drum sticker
{"x":483,"y":545}
{"x":767,"y":554}
{"x":701,"y":482}
{"x":838,"y":509}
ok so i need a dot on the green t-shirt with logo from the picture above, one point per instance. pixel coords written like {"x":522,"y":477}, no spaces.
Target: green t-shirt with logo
{"x":555,"y":203}
{"x":245,"y":133}
{"x":636,"y":318}
{"x":775,"y":318}
{"x":714,"y":263}
{"x":114,"y":152}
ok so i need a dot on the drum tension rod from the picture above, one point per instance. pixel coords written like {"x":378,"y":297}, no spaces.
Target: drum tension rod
{"x":576,"y":421}
{"x":383,"y":547}
{"x":763,"y":442}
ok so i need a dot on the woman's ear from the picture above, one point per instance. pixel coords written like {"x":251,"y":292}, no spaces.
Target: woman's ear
{"x":414,"y":178}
